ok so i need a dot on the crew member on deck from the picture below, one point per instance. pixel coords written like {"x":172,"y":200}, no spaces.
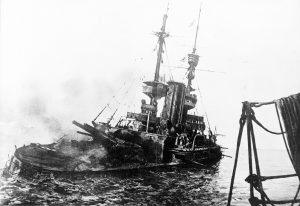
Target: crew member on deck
{"x":169,"y":142}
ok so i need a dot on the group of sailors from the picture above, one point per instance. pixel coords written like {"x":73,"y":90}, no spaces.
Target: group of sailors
{"x":185,"y":136}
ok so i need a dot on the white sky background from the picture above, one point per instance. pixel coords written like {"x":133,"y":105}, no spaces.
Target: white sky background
{"x":63,"y":60}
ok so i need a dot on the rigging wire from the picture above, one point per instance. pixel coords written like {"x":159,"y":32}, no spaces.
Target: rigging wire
{"x":127,"y":91}
{"x":135,"y":94}
{"x":129,"y":104}
{"x":203,"y":70}
{"x":202,"y":103}
{"x":168,"y":62}
{"x":113,"y":98}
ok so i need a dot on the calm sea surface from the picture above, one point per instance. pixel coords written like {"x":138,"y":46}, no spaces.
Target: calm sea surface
{"x":179,"y":186}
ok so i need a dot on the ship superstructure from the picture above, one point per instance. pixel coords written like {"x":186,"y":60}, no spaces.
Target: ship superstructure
{"x":179,"y":98}
{"x":144,"y":139}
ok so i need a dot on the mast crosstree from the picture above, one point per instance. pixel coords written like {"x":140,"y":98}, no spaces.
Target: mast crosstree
{"x":156,"y":89}
{"x":161,"y":40}
{"x":193,"y":59}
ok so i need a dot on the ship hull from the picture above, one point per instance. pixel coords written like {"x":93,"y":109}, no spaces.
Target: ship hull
{"x":25,"y":169}
{"x":35,"y":158}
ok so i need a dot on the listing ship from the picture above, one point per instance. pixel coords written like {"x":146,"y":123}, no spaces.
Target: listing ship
{"x":141,"y":140}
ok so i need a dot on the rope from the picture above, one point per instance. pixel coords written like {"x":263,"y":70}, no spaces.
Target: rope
{"x":259,"y":104}
{"x":287,"y":148}
{"x":255,"y":180}
{"x":289,"y":108}
{"x":295,"y":198}
{"x":263,"y":178}
{"x":252,"y":116}
{"x":284,"y":138}
{"x":262,"y":126}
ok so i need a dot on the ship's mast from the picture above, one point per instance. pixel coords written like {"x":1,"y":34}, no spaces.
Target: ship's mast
{"x":156,"y":89}
{"x":193,"y":59}
{"x":195,"y":43}
{"x":161,"y":40}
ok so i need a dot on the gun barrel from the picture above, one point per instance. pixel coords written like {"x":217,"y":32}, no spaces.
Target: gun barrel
{"x":97,"y":135}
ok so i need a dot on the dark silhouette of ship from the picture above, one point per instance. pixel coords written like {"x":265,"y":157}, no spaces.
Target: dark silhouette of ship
{"x":141,"y":140}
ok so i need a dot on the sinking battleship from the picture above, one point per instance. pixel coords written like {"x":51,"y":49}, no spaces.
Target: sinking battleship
{"x":141,"y":140}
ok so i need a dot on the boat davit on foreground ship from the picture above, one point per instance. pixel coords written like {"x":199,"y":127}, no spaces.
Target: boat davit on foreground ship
{"x":141,"y":140}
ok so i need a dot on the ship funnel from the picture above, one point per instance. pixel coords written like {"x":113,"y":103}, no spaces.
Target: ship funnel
{"x":174,"y":102}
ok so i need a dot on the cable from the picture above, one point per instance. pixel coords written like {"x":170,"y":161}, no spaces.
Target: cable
{"x":113,"y":98}
{"x":168,"y":62}
{"x":203,"y":103}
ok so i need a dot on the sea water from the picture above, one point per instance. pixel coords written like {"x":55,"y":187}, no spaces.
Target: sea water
{"x":176,"y":186}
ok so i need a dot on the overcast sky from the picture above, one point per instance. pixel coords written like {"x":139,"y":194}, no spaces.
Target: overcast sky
{"x":64,"y":59}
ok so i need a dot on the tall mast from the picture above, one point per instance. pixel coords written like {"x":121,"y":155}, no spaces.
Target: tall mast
{"x":193,"y":60}
{"x":196,"y":36}
{"x":155,"y":89}
{"x":161,"y":40}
